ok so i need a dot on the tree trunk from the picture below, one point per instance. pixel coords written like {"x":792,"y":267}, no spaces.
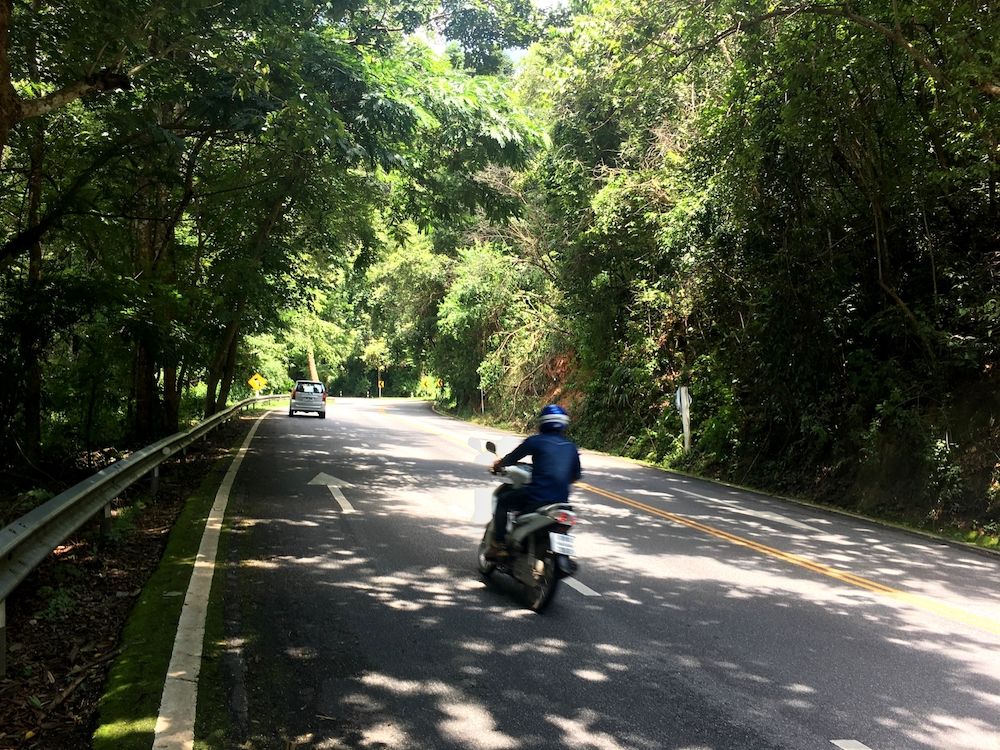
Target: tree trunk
{"x":145,"y":427}
{"x":217,"y":368}
{"x":211,"y":385}
{"x":88,"y":424}
{"x":146,"y":337}
{"x":227,"y":376}
{"x":171,"y":400}
{"x":313,"y":374}
{"x":31,"y":335}
{"x":220,"y":371}
{"x":10,"y":102}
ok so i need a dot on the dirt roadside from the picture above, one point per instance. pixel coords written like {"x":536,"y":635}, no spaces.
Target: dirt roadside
{"x":64,"y":621}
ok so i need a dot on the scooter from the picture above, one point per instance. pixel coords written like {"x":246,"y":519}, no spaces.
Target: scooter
{"x":539,"y":542}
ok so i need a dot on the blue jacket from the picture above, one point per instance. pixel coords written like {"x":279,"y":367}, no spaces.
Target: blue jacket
{"x":555,"y":465}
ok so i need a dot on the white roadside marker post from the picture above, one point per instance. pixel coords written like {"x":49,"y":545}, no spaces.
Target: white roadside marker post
{"x":683,"y":401}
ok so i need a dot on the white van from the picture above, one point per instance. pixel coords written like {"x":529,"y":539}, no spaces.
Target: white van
{"x":308,"y":395}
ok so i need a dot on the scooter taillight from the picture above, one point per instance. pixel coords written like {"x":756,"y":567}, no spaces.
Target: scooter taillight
{"x":565,"y":517}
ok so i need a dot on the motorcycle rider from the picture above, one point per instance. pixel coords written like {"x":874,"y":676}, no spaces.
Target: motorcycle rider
{"x":555,"y":466}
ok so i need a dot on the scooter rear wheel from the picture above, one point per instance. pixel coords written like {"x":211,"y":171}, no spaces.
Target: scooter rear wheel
{"x":541,"y":593}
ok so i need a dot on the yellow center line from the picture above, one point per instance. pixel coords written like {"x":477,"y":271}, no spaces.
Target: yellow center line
{"x":917,"y":600}
{"x":931,"y":605}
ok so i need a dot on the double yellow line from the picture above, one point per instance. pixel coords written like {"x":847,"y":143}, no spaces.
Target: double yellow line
{"x":927,"y":604}
{"x":916,"y":600}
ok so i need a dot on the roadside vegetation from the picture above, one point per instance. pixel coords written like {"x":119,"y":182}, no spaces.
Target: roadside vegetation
{"x":791,"y":209}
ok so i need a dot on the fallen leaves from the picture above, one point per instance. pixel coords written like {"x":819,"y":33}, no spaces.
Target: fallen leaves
{"x":58,"y":659}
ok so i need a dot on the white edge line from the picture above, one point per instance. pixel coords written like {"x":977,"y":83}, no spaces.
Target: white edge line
{"x":175,"y":722}
{"x":582,"y":588}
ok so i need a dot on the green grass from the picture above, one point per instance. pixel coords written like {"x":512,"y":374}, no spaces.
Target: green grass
{"x":128,"y":710}
{"x":982,"y":539}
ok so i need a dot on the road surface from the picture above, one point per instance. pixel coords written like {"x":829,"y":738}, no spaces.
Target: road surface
{"x":703,"y":618}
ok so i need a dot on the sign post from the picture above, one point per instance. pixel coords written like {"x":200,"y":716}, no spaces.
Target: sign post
{"x":683,"y":401}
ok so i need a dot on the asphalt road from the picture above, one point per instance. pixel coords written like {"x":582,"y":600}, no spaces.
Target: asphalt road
{"x":708,"y":618}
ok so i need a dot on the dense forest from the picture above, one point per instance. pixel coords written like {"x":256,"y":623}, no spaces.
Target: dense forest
{"x":789,"y":208}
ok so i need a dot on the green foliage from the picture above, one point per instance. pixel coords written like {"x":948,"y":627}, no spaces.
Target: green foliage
{"x":59,"y":603}
{"x":123,"y":522}
{"x":790,"y":209}
{"x":212,"y":216}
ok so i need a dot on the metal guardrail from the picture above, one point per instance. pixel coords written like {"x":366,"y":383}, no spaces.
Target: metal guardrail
{"x":30,"y":539}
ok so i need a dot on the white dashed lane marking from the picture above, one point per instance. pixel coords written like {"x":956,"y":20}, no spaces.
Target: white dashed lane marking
{"x":582,"y":588}
{"x":850,"y":745}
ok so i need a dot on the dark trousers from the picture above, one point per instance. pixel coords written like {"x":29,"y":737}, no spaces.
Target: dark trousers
{"x":509,"y":499}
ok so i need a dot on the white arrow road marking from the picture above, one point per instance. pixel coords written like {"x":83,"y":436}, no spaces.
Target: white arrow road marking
{"x":338,"y":495}
{"x":582,"y":588}
{"x":329,"y":481}
{"x":333,"y":484}
{"x":850,"y":745}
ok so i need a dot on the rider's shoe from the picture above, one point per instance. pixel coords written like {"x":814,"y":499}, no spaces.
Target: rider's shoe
{"x":497,"y":552}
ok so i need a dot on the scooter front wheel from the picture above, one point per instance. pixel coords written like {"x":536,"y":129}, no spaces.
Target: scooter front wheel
{"x":485,"y":566}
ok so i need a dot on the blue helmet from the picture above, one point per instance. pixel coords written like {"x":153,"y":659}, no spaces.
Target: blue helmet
{"x":552,"y":418}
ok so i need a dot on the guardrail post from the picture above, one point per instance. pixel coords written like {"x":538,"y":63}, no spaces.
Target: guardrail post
{"x":106,"y":522}
{"x":3,"y":638}
{"x":154,"y":485}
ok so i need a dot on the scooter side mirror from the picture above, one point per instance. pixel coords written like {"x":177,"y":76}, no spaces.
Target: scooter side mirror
{"x":491,"y":446}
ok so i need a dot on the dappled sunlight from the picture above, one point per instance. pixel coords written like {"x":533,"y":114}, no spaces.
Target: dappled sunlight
{"x":461,"y":719}
{"x":445,"y":502}
{"x":413,"y":591}
{"x":301,"y":652}
{"x":264,"y":564}
{"x":323,"y":562}
{"x":591,"y":675}
{"x":388,"y":734}
{"x":413,"y":649}
{"x":955,"y":733}
{"x":247,"y":524}
{"x":473,"y":726}
{"x":544,"y":646}
{"x":977,"y":659}
{"x":578,"y":732}
{"x":310,"y":436}
{"x":799,"y":689}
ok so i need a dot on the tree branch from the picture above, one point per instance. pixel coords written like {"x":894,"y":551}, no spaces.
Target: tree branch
{"x":23,"y":240}
{"x":835,"y":10}
{"x":103,"y":80}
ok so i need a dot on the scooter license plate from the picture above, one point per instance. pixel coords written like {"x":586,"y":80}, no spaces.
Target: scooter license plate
{"x":561,"y":544}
